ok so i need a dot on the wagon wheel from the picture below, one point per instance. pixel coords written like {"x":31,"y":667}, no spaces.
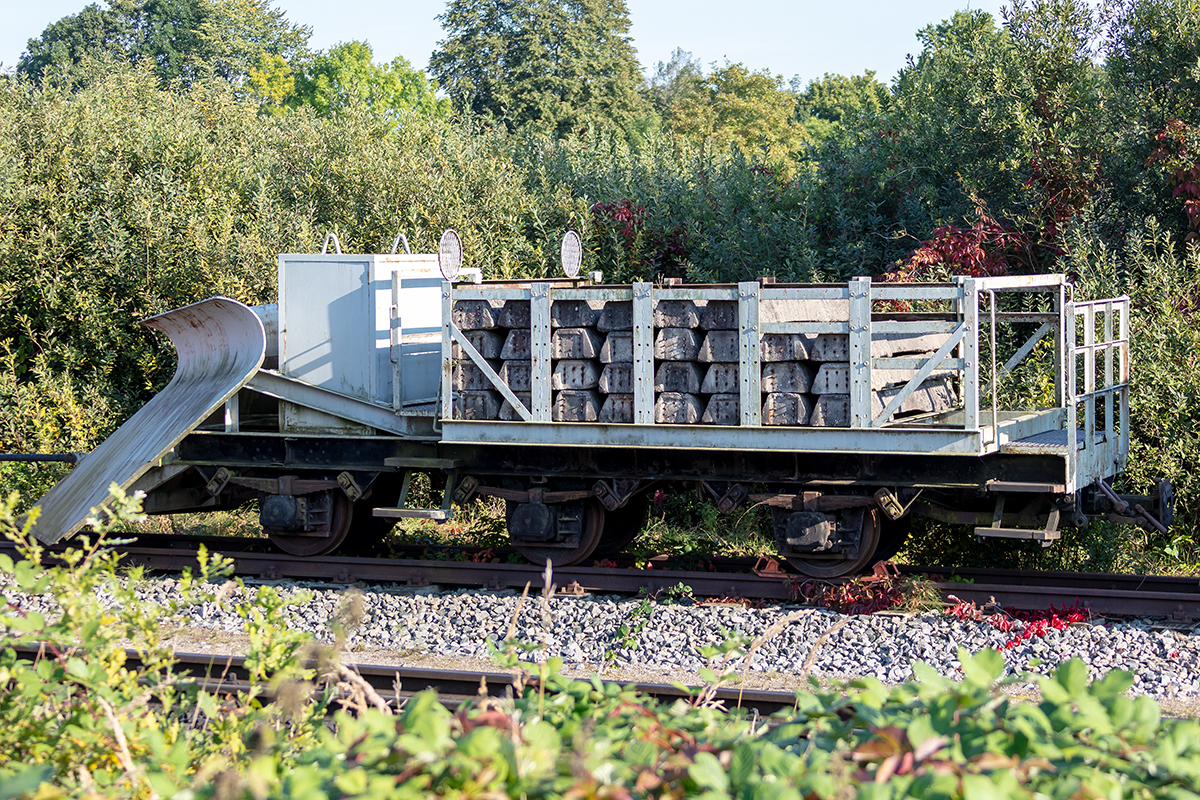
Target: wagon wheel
{"x":339,"y":526}
{"x":593,"y":530}
{"x":833,"y":568}
{"x":622,"y":526}
{"x":893,"y":533}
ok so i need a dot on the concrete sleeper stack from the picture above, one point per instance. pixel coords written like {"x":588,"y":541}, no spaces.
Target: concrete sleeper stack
{"x":804,"y":379}
{"x":475,"y":398}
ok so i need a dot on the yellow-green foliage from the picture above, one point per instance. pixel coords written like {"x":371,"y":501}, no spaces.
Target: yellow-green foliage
{"x":80,"y":718}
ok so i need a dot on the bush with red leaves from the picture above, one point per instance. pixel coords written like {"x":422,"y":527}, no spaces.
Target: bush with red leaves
{"x":627,"y":219}
{"x":983,"y":250}
{"x":1178,"y":154}
{"x":1061,"y":184}
{"x":1025,"y":625}
{"x":624,"y":224}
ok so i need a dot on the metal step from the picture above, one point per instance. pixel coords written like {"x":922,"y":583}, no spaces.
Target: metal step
{"x":438,"y":514}
{"x":425,"y":463}
{"x":1047,"y":443}
{"x":1026,"y":488}
{"x":401,"y":511}
{"x":1019,"y":533}
{"x":1044,"y":535}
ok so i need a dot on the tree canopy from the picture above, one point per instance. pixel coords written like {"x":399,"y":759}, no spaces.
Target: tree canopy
{"x":345,"y":75}
{"x":95,"y":31}
{"x":181,"y":40}
{"x":550,"y":66}
{"x":734,"y":105}
{"x":1007,"y":117}
{"x":827,"y":104}
{"x":676,"y":81}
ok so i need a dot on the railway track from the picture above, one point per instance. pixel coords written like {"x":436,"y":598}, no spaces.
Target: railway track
{"x":227,"y":674}
{"x":1105,"y":595}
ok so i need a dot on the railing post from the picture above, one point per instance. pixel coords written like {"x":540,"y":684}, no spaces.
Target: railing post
{"x":970,"y":349}
{"x":749,"y":355}
{"x":1060,"y":382}
{"x":860,"y":353}
{"x":1123,"y":370}
{"x":1070,"y":370}
{"x":643,"y":354}
{"x":1110,"y":343}
{"x":993,"y":382}
{"x":539,"y":346}
{"x":396,"y":345}
{"x":1089,"y":389}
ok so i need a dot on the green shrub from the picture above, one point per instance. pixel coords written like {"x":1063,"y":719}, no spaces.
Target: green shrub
{"x":1160,"y":276}
{"x":79,"y":721}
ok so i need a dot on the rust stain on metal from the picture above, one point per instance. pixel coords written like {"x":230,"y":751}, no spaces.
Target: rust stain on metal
{"x":767,"y":567}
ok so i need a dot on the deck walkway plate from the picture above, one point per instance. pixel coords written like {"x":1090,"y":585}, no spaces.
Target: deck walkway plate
{"x":1046,"y":443}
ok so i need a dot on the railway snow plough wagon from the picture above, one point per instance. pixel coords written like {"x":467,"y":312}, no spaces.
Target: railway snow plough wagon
{"x":846,"y":409}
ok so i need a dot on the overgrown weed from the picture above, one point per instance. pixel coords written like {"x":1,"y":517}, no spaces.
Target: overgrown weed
{"x":241,"y":523}
{"x":681,"y":524}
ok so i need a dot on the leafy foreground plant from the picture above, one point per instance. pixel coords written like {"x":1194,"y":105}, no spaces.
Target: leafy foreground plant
{"x":932,"y":738}
{"x":78,"y":722}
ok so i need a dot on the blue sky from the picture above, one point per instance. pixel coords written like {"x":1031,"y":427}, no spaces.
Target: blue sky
{"x":797,"y":38}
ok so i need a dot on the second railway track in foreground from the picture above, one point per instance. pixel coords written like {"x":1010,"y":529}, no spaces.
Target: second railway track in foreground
{"x":227,"y":674}
{"x":1103,"y":595}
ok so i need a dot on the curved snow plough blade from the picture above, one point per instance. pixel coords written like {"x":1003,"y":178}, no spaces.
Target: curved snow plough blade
{"x":221,"y":345}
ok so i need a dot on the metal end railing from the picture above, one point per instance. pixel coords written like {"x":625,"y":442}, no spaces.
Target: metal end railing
{"x":1101,"y":363}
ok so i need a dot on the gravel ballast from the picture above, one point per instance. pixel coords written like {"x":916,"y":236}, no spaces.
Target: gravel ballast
{"x":610,"y":633}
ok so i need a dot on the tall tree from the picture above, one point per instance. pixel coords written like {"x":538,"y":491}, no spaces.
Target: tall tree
{"x":95,"y":31}
{"x":236,"y":34}
{"x":346,"y":75}
{"x":677,"y":81}
{"x":1012,"y":115}
{"x":1153,"y":65}
{"x":835,"y":100}
{"x":1153,"y":57}
{"x":182,"y":40}
{"x":552,"y":66}
{"x":736,"y":106}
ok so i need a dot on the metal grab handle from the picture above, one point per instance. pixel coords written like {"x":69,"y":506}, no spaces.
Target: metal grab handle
{"x":336,"y":244}
{"x":66,"y":458}
{"x":995,"y":377}
{"x":400,"y":237}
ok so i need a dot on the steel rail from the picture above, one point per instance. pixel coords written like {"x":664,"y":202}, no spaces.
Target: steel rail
{"x":227,"y":674}
{"x":1103,"y":595}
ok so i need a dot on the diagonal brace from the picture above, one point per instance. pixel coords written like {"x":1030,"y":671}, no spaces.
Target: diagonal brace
{"x":490,"y":373}
{"x":923,"y":373}
{"x":1026,"y":348}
